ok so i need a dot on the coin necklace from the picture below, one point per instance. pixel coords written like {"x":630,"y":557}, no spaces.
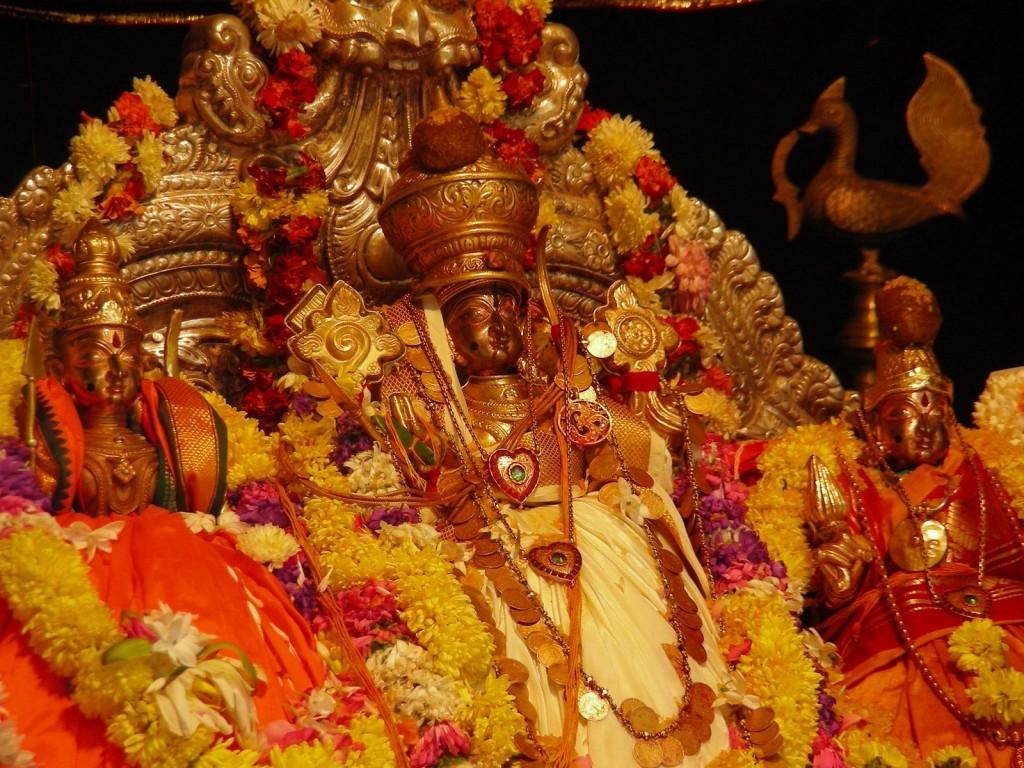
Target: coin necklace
{"x":690,"y":727}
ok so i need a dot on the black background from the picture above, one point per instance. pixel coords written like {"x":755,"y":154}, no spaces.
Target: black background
{"x":718,"y":89}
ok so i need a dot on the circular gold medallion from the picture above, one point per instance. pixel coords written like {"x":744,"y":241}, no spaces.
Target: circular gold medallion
{"x":672,"y":751}
{"x":592,"y":707}
{"x":601,"y":344}
{"x":585,"y":422}
{"x":916,"y":547}
{"x":648,"y":753}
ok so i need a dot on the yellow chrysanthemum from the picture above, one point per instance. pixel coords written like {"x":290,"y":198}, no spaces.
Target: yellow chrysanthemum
{"x":252,"y":454}
{"x":41,"y":286}
{"x":160,"y":105}
{"x":977,"y":646}
{"x":547,"y":214}
{"x":306,"y":755}
{"x":369,"y":731}
{"x":481,"y":96}
{"x":687,"y":213}
{"x":1004,"y":459}
{"x":97,"y":151}
{"x":734,"y":758}
{"x":267,"y":544}
{"x":311,"y":204}
{"x":864,"y":751}
{"x":288,"y":24}
{"x":73,"y":205}
{"x":723,"y":415}
{"x":628,"y":221}
{"x":12,"y":354}
{"x":223,"y":756}
{"x":998,"y":695}
{"x":614,"y":147}
{"x":65,"y":620}
{"x":953,"y":756}
{"x":776,"y":669}
{"x":150,"y":160}
{"x":310,"y":442}
{"x":125,"y":246}
{"x":102,"y":690}
{"x":494,"y":722}
{"x":243,"y":332}
{"x":255,"y":210}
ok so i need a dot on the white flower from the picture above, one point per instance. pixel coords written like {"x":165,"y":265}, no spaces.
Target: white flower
{"x":199,"y":522}
{"x":268,"y":544}
{"x":417,"y":692}
{"x":630,"y":504}
{"x":733,"y":691}
{"x":229,"y":521}
{"x":287,"y":24}
{"x":11,"y":753}
{"x":1001,"y":406}
{"x":82,"y":537}
{"x":233,"y":711}
{"x":420,"y":535}
{"x":373,"y":473}
{"x":176,"y":637}
{"x":825,"y":653}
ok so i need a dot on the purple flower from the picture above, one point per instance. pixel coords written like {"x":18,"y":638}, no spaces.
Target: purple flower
{"x":350,"y":439}
{"x":827,"y":714}
{"x":16,"y":478}
{"x":304,"y":595}
{"x":391,"y":516}
{"x":258,"y":502}
{"x":303,"y":404}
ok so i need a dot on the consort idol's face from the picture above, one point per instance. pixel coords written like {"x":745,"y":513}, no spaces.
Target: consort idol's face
{"x":429,"y":36}
{"x":913,"y":428}
{"x":102,"y":366}
{"x":484,"y":328}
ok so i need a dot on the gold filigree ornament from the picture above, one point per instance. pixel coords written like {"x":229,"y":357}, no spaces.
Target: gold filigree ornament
{"x":345,"y":344}
{"x":641,"y":338}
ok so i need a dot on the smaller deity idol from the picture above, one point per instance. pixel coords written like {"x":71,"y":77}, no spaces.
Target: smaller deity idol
{"x":561,"y":492}
{"x":115,"y":442}
{"x":117,"y":454}
{"x":931,"y":558}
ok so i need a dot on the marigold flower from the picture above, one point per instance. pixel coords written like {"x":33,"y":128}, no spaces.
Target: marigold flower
{"x":130,"y":117}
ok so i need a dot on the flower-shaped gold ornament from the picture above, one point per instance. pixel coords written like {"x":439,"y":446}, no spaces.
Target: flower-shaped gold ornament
{"x":339,"y":338}
{"x":641,"y":338}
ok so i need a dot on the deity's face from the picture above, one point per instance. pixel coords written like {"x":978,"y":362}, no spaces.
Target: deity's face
{"x":402,"y":35}
{"x":913,"y":427}
{"x":485,"y":331}
{"x":101,"y":365}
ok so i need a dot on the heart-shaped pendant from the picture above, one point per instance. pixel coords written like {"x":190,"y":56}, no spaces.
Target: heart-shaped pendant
{"x":559,"y":560}
{"x":516,"y":473}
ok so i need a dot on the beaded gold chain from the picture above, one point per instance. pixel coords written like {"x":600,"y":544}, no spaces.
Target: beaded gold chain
{"x":455,"y":411}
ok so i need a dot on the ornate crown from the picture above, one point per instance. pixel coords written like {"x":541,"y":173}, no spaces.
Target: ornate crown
{"x":97,"y":293}
{"x":456,"y":213}
{"x":909,"y":320}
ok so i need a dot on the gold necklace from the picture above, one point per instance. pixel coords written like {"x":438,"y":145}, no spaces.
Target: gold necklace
{"x":658,"y":739}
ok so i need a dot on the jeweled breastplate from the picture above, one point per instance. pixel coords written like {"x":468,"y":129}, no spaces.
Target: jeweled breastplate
{"x":119,"y":475}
